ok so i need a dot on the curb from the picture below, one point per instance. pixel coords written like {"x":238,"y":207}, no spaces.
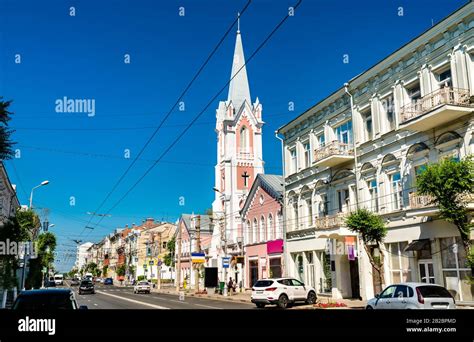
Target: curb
{"x":206,"y":297}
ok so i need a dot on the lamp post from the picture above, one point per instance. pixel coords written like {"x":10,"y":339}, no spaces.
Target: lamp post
{"x":224,"y":233}
{"x":23,"y":273}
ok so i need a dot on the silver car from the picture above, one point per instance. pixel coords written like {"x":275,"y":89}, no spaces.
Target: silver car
{"x":413,"y":296}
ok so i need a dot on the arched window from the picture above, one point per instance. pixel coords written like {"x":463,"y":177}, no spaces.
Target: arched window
{"x":254,"y":230}
{"x":249,"y":231}
{"x":279,"y":225}
{"x":262,"y":229}
{"x":270,"y":228}
{"x":244,"y":139}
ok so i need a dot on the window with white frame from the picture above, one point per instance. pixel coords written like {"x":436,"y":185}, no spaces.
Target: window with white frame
{"x":270,"y":228}
{"x":309,"y":212}
{"x":293,"y":161}
{"x":396,"y":190}
{"x":343,"y":200}
{"x":388,"y":104}
{"x":307,"y":154}
{"x":344,"y":133}
{"x":323,"y":206}
{"x":414,"y":91}
{"x":399,"y":262}
{"x":254,"y":230}
{"x":368,"y":129}
{"x":373,"y":195}
{"x":321,"y":140}
{"x":455,"y":270}
{"x":262,"y":229}
{"x":443,"y":76}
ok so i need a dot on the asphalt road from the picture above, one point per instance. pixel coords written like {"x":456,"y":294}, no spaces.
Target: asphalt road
{"x":115,"y":297}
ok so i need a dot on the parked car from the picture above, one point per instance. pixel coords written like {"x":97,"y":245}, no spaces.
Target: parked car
{"x":108,"y":281}
{"x":281,"y":292}
{"x":413,"y":296}
{"x":98,"y":280}
{"x":59,"y":279}
{"x":142,"y":286}
{"x":86,"y":286}
{"x":74,"y":282}
{"x":46,"y":300}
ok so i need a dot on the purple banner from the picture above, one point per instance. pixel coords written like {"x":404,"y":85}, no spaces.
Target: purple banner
{"x":275,"y":246}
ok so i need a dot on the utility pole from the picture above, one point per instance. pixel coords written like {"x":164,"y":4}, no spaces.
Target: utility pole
{"x":198,"y":248}
{"x":224,"y":233}
{"x":178,"y":264}
{"x":158,"y":265}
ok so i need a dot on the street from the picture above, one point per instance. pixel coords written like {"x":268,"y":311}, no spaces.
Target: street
{"x":119,"y":297}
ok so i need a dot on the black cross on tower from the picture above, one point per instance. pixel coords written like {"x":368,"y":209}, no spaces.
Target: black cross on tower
{"x":245,"y":176}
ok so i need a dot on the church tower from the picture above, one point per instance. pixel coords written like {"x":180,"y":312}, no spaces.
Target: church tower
{"x":239,"y":158}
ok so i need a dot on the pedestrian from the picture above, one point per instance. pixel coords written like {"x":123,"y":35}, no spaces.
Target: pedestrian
{"x":230,"y":286}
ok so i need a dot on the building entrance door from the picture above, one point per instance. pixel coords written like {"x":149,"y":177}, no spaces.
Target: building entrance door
{"x":354,"y":270}
{"x":426,"y":271}
{"x":253,"y":267}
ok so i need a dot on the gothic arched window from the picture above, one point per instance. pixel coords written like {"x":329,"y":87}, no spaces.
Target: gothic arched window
{"x":244,"y":139}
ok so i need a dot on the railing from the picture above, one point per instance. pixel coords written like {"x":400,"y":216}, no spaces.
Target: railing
{"x":420,"y":201}
{"x":334,"y":148}
{"x":244,"y":153}
{"x":443,"y":96}
{"x":330,"y":221}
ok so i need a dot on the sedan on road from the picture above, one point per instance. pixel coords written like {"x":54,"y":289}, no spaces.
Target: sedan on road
{"x":108,"y":281}
{"x":86,"y":286}
{"x":142,"y":287}
{"x":282,"y":292}
{"x":46,"y":300}
{"x":413,"y":296}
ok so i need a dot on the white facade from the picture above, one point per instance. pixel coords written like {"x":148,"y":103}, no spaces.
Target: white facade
{"x":83,"y":255}
{"x":412,"y":108}
{"x":239,"y":160}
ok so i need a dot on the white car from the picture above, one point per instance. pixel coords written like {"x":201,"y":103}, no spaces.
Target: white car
{"x":142,"y":286}
{"x":413,"y":296}
{"x":282,"y":292}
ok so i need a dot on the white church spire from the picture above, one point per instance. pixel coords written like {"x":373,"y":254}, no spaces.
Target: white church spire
{"x":239,"y":86}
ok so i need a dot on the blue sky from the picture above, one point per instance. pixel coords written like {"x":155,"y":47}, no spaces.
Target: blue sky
{"x":83,"y":57}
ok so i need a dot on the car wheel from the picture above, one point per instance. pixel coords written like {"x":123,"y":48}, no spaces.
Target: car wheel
{"x":283,"y":301}
{"x":368,"y":307}
{"x":260,"y":305}
{"x":311,"y":298}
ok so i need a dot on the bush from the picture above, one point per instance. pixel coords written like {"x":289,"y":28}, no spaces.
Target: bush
{"x":140,"y":277}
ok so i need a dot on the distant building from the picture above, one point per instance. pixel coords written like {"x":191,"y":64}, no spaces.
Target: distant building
{"x":83,"y":256}
{"x":8,"y":199}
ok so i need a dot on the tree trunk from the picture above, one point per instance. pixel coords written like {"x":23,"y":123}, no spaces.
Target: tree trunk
{"x":378,"y":268}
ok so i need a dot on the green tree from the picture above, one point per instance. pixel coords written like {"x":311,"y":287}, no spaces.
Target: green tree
{"x":169,"y":258}
{"x":29,"y":221}
{"x":451,"y":184}
{"x":13,"y":232}
{"x":104,"y":270}
{"x":121,"y":270}
{"x":6,"y":145}
{"x":44,"y":247}
{"x":372,"y":229}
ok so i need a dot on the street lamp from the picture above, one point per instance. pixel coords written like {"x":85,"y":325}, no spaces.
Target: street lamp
{"x":23,"y":273}
{"x":225,"y":239}
{"x":43,"y":183}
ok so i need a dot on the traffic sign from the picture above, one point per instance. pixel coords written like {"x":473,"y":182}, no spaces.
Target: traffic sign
{"x":198,"y":258}
{"x":151,"y":262}
{"x":225,"y":262}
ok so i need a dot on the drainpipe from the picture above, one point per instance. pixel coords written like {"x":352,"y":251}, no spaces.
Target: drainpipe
{"x":346,"y":86}
{"x":283,"y":209}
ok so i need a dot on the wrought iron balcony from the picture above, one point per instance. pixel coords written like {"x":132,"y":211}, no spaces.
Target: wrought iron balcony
{"x":435,"y":109}
{"x":331,"y":221}
{"x":333,"y":154}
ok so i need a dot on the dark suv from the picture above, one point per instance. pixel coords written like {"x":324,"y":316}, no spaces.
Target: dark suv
{"x":86,"y":286}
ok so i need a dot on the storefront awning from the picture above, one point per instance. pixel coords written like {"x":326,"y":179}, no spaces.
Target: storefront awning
{"x":418,"y":245}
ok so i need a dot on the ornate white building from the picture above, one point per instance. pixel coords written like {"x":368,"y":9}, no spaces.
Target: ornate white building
{"x":239,"y":160}
{"x":363,"y":147}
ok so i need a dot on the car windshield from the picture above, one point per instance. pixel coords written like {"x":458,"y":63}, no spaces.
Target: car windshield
{"x":143,"y":283}
{"x":434,"y":292}
{"x":263,"y":283}
{"x":86,"y":283}
{"x":44,"y":302}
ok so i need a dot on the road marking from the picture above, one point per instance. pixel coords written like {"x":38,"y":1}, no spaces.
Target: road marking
{"x":135,"y":301}
{"x":207,"y":306}
{"x":96,"y":304}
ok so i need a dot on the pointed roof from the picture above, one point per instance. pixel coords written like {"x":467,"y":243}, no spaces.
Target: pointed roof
{"x":239,"y":90}
{"x":272,"y":184}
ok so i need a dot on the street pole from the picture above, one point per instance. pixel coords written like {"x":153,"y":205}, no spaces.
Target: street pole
{"x":225,"y":255}
{"x":178,"y":264}
{"x":198,"y":248}
{"x":158,"y":265}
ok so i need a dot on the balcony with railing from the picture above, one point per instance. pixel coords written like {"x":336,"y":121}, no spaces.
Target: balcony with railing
{"x":333,"y":153}
{"x":435,"y":109}
{"x":331,"y":221}
{"x":244,"y":154}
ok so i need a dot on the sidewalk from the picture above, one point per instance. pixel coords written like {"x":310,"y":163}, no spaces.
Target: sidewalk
{"x":243,"y":297}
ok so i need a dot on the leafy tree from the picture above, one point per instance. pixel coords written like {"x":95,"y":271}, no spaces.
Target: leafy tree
{"x":45,"y":246}
{"x":451,"y":184}
{"x":29,"y":221}
{"x":14,"y":233}
{"x":121,"y":270}
{"x":169,"y":258}
{"x":6,"y":145}
{"x":104,"y":270}
{"x":373,"y":231}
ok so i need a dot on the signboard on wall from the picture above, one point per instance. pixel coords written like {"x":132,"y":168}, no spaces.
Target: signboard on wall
{"x":210,"y":277}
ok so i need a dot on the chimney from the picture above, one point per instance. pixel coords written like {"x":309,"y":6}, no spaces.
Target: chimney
{"x":149,"y":222}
